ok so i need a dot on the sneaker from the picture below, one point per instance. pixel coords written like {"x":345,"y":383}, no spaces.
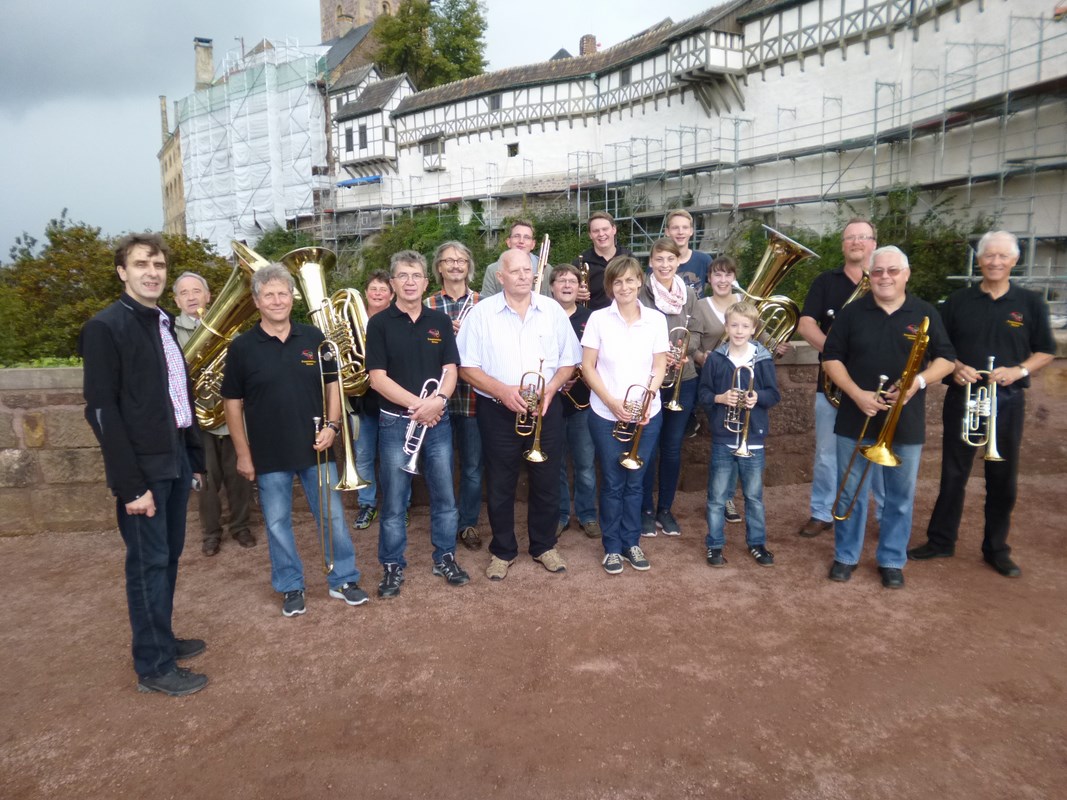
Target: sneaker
{"x":715,"y":557}
{"x":636,"y":558}
{"x":366,"y":515}
{"x":591,"y":528}
{"x":731,"y":512}
{"x":612,"y":564}
{"x":245,"y":538}
{"x":470,"y":538}
{"x":892,"y":577}
{"x":763,"y":556}
{"x":498,"y":568}
{"x":668,"y":524}
{"x":648,"y":524}
{"x":452,"y":572}
{"x":350,"y":593}
{"x":188,"y":648}
{"x":176,"y":683}
{"x":392,"y":580}
{"x":552,"y":561}
{"x":210,"y":546}
{"x":293,"y":603}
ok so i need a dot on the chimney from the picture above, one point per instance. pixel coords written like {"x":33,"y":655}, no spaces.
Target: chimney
{"x":345,"y":23}
{"x":587,"y":45}
{"x":165,"y":128}
{"x":205,"y":62}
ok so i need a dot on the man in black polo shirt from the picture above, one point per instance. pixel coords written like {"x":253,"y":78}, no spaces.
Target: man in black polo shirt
{"x":827,"y":295}
{"x":602,"y":234}
{"x":873,"y":336}
{"x":407,"y":345}
{"x":272,"y":392}
{"x":1010,"y":324}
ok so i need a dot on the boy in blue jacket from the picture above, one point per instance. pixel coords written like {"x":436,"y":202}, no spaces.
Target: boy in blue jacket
{"x":749,"y":428}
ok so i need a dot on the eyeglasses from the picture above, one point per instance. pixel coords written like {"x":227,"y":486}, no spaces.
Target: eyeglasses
{"x":522,"y":237}
{"x":408,"y":277}
{"x":454,"y":262}
{"x":892,"y":272}
{"x":858,"y":237}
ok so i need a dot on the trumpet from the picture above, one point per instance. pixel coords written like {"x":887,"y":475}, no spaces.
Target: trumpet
{"x":416,"y":432}
{"x":881,"y":452}
{"x":679,"y":333}
{"x":533,"y":393}
{"x":739,"y":414}
{"x":542,"y":262}
{"x":980,"y":415}
{"x":636,"y":400}
{"x":567,"y":392}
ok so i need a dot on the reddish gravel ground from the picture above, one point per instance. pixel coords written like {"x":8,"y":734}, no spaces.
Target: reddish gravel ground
{"x":684,"y":681}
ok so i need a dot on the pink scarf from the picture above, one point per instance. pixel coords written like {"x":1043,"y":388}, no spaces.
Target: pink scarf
{"x":669,"y":301}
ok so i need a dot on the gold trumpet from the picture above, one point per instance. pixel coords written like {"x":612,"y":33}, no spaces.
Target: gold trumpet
{"x":679,"y":333}
{"x":533,"y":393}
{"x":881,"y":452}
{"x":739,"y":415}
{"x":832,"y":392}
{"x":416,"y":432}
{"x":980,"y":415}
{"x":636,"y":400}
{"x":542,"y":262}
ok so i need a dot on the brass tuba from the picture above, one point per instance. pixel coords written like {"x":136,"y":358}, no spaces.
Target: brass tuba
{"x":205,"y":352}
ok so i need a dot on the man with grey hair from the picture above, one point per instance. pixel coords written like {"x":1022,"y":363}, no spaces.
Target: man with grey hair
{"x":873,"y":337}
{"x":282,"y":427}
{"x":999,"y":327}
{"x":192,"y":295}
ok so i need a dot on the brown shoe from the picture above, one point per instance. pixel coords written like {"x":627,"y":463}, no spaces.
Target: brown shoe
{"x":498,"y":568}
{"x":813,"y":527}
{"x":552,"y":561}
{"x":210,"y":546}
{"x":591,"y":528}
{"x":470,"y":538}
{"x":245,"y":538}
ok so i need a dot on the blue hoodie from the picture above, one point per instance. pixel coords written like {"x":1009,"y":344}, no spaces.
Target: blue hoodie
{"x":717,"y":377}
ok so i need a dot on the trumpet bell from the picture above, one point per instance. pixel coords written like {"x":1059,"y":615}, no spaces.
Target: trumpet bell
{"x":535,"y":456}
{"x":631,"y":461}
{"x":411,"y":466}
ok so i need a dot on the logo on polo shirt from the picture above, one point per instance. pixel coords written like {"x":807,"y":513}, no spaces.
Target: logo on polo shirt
{"x":433,"y":336}
{"x":307,"y":358}
{"x":1015,"y":319}
{"x":912,"y":330}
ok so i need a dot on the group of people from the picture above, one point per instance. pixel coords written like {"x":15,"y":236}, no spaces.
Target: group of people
{"x":602,"y":368}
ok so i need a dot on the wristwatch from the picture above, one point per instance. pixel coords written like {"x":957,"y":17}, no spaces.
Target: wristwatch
{"x":1023,"y":371}
{"x":334,"y":426}
{"x":921,"y":380}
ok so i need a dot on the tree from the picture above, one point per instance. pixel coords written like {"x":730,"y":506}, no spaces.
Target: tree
{"x":433,"y":41}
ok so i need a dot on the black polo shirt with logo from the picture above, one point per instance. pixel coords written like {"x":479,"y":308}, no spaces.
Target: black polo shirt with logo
{"x":280,"y":385}
{"x":410,"y":351}
{"x":823,"y":302}
{"x":870,"y":342}
{"x":597,"y":266}
{"x":580,"y":391}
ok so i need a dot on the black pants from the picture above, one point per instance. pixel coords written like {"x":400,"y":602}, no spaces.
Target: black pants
{"x":502,"y":451}
{"x":1000,"y":476}
{"x":221,"y":460}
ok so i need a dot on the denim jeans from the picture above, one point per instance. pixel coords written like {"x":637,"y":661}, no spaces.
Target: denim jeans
{"x":722,"y":479}
{"x":468,"y":445}
{"x":153,"y":547}
{"x":894,"y":530}
{"x":578,"y":444}
{"x":670,"y":448}
{"x":620,"y":488}
{"x":366,"y":456}
{"x":435,"y":465}
{"x":824,"y":480}
{"x":276,"y":503}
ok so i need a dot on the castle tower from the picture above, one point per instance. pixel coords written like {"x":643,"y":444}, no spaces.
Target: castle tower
{"x":338,"y":17}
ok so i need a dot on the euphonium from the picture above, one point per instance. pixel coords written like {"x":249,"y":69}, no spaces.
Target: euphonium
{"x":832,"y":392}
{"x":881,"y":452}
{"x":980,"y":415}
{"x":739,"y":415}
{"x":528,"y":420}
{"x":415,"y":433}
{"x":679,"y":333}
{"x":636,"y":400}
{"x":205,"y":352}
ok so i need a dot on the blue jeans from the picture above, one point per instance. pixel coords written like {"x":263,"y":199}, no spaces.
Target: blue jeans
{"x":894,"y":530}
{"x":824,"y":480}
{"x":670,"y":448}
{"x":467,"y":442}
{"x":276,"y":502}
{"x":435,"y":465}
{"x":366,"y":455}
{"x":578,"y":443}
{"x":153,"y":547}
{"x":620,"y":488}
{"x":722,"y":480}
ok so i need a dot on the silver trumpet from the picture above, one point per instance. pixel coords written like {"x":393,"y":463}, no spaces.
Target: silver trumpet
{"x":980,"y":415}
{"x":739,"y":415}
{"x":416,"y":432}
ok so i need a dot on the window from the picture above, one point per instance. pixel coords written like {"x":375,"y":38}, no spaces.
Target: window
{"x":362,"y":137}
{"x":513,"y":150}
{"x":494,"y":102}
{"x":433,"y":147}
{"x":348,"y":140}
{"x":624,"y":76}
{"x":387,"y":133}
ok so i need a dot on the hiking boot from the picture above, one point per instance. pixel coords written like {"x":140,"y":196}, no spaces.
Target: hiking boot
{"x":731,"y":512}
{"x":176,"y":683}
{"x":648,"y":524}
{"x":636,"y":558}
{"x":366,"y":515}
{"x":498,"y":568}
{"x":763,"y":556}
{"x":666,"y":522}
{"x":470,"y":538}
{"x":293,"y":603}
{"x":452,"y":572}
{"x":552,"y":561}
{"x":612,"y":564}
{"x":392,"y":580}
{"x":350,"y":593}
{"x":188,"y":648}
{"x":591,"y":528}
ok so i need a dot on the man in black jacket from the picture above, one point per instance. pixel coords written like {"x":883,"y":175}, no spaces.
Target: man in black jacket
{"x":139,"y":404}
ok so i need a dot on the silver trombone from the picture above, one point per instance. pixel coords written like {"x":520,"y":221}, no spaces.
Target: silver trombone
{"x":980,"y":415}
{"x":465,"y":309}
{"x":739,"y":414}
{"x":416,"y":432}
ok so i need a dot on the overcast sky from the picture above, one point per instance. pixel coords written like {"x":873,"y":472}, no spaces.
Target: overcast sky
{"x":79,"y":87}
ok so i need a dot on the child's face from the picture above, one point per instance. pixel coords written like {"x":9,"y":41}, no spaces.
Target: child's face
{"x":739,"y":329}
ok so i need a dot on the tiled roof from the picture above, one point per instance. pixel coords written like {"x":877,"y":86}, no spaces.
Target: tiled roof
{"x":373,"y":98}
{"x":342,"y":47}
{"x":351,"y":78}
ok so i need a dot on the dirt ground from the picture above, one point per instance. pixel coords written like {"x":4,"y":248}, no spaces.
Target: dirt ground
{"x":684,"y":681}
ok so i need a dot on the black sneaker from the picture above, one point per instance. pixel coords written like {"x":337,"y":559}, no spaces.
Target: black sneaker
{"x":452,"y":572}
{"x":668,"y":524}
{"x":392,"y":580}
{"x":635,"y":557}
{"x":612,"y":564}
{"x":366,"y":515}
{"x":350,"y":593}
{"x":188,"y":648}
{"x":648,"y":524}
{"x":176,"y":683}
{"x":715,"y":557}
{"x":763,"y":556}
{"x":293,"y":603}
{"x":731,"y":512}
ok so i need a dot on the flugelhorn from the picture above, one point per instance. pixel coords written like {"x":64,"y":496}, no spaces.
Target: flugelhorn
{"x":832,"y":392}
{"x":416,"y":432}
{"x":674,"y":372}
{"x":528,"y":421}
{"x":980,"y":415}
{"x":637,"y":400}
{"x":739,"y":414}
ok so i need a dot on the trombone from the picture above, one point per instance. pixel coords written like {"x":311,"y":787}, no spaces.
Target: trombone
{"x":567,"y":392}
{"x":674,"y":372}
{"x":739,"y":414}
{"x":416,"y":432}
{"x":533,"y":394}
{"x":542,"y":262}
{"x":980,"y":415}
{"x":832,"y":392}
{"x":636,"y":400}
